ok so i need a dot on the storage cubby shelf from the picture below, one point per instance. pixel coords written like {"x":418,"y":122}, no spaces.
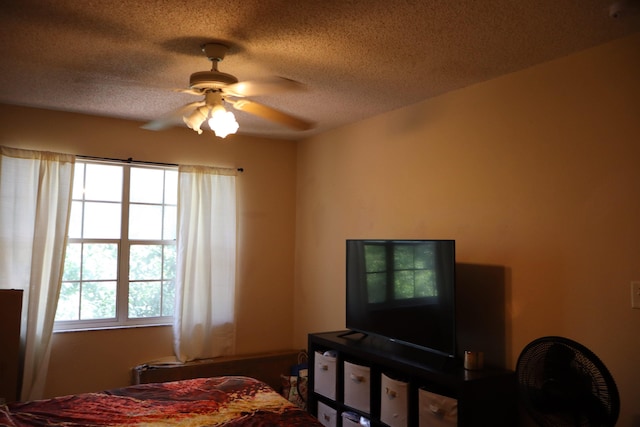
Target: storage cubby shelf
{"x":484,"y":397}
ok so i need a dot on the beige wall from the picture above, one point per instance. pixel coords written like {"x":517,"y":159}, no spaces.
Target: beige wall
{"x":537,"y":171}
{"x":87,"y":361}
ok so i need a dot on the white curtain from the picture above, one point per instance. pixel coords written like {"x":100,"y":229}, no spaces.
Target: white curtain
{"x":35,"y":199}
{"x":204,"y":320}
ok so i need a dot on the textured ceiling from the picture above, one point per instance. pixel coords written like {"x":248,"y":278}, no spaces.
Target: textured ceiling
{"x":357,"y":58}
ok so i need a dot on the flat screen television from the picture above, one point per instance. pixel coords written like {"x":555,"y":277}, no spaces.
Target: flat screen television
{"x":403,"y":290}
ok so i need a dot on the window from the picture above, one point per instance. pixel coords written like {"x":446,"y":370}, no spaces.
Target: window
{"x":119,"y":268}
{"x":400,"y":271}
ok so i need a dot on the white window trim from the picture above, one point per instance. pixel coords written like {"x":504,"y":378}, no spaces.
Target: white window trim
{"x":121,"y":319}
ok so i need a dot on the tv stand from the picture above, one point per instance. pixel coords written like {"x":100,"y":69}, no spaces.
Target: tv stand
{"x":485,"y":397}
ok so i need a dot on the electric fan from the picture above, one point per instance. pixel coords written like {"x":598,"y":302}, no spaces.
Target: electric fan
{"x":562,"y":383}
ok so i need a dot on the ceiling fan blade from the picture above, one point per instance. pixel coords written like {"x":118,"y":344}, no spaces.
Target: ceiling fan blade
{"x":262,"y":87}
{"x":190,"y":91}
{"x":173,"y":118}
{"x":272,"y":114}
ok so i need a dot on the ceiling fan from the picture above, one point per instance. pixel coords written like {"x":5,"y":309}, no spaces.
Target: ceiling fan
{"x":220,"y":89}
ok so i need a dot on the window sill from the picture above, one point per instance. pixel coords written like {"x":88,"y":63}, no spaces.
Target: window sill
{"x":106,"y":328}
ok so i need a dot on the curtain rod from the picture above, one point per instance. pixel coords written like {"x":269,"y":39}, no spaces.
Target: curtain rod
{"x":139,"y":162}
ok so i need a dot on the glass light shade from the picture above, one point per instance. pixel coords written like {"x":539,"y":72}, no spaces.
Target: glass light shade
{"x":196,"y":118}
{"x":222,"y":122}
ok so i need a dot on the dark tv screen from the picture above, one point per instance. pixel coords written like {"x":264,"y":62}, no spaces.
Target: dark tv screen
{"x":403,"y":290}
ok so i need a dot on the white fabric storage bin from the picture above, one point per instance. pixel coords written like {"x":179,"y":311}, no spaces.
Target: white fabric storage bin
{"x":394,"y":401}
{"x":357,"y":386}
{"x":346,"y":422}
{"x":324,"y":375}
{"x":327,"y":416}
{"x":437,"y":410}
{"x":351,"y":419}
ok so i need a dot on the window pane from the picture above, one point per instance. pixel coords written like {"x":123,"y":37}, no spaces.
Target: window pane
{"x":424,"y":256}
{"x":78,"y":181}
{"x":145,"y":299}
{"x":168,"y":297}
{"x":376,"y":287}
{"x":75,"y":220}
{"x":103,"y":182}
{"x":375,"y":258}
{"x":68,"y":302}
{"x":98,"y":300}
{"x":102,"y":221}
{"x":403,"y":257}
{"x":145,"y":262}
{"x":72,"y":262}
{"x":169,"y":262}
{"x":171,"y":187}
{"x":170,"y":223}
{"x":100,"y":261}
{"x":146,"y":185}
{"x":425,"y":283}
{"x":403,"y":284}
{"x":145,"y":222}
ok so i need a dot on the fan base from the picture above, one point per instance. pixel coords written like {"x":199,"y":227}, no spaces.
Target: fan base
{"x":211,"y":80}
{"x":215,"y":51}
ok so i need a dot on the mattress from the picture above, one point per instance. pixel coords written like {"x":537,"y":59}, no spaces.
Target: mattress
{"x":217,"y":401}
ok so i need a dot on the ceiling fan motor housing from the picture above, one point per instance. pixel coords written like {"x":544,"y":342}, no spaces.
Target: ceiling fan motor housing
{"x":211,"y":80}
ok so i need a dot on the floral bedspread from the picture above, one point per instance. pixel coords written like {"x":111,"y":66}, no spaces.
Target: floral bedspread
{"x":230,"y":401}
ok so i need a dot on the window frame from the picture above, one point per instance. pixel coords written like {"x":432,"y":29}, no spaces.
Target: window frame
{"x":390,"y":271}
{"x":124,"y":244}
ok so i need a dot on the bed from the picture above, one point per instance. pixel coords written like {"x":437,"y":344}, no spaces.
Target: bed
{"x":229,"y":401}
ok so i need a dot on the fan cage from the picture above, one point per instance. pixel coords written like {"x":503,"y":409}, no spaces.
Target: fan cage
{"x":548,"y":408}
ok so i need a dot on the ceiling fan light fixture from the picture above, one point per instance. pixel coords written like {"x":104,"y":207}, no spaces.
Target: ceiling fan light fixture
{"x":196,"y":118}
{"x":222,"y":122}
{"x":220,"y":88}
